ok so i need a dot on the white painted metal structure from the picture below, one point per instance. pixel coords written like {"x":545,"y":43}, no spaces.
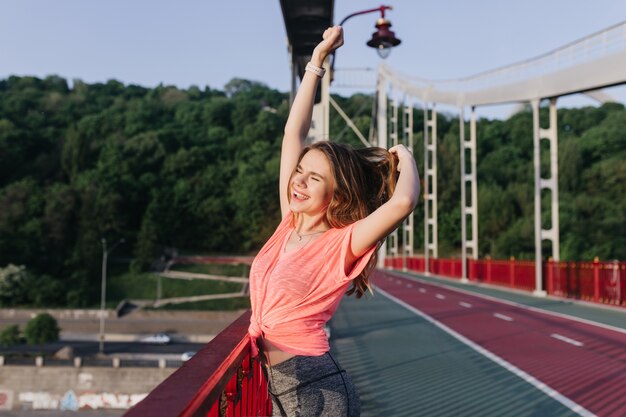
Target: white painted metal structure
{"x":403,"y":247}
{"x":348,"y":121}
{"x":381,"y":123}
{"x":393,"y":136}
{"x":551,"y":183}
{"x":594,"y":62}
{"x":584,"y":66}
{"x":407,"y":225}
{"x":468,"y":208}
{"x":431,"y":243}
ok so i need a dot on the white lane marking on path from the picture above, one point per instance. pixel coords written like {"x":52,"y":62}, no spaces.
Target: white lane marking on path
{"x":409,"y":285}
{"x":502,"y":317}
{"x":464,"y":304}
{"x":520,"y":305}
{"x":575,"y":407}
{"x":567,"y":340}
{"x":422,"y":290}
{"x":441,"y":296}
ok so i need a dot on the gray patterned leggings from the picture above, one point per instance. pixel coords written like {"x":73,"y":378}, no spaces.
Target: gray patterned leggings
{"x":312,"y":386}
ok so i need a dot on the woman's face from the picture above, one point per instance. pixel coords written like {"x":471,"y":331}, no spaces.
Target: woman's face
{"x":312,"y":184}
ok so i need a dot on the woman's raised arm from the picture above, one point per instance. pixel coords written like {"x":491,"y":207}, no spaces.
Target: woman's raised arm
{"x":299,"y":121}
{"x":387,"y":217}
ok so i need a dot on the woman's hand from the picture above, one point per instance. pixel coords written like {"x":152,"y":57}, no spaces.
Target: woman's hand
{"x":332,"y":39}
{"x":403,"y":154}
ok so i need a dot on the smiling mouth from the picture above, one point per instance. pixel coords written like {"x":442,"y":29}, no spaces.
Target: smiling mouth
{"x":299,"y":196}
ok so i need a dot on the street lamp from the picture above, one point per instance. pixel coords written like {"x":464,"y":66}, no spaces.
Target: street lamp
{"x":383,"y":39}
{"x":105,"y":255}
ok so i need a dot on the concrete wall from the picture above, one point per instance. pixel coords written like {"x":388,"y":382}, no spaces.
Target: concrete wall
{"x":187,"y":325}
{"x":51,"y":387}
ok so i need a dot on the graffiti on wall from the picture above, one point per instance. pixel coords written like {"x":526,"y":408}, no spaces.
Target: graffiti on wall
{"x":6,"y":399}
{"x":39,"y":400}
{"x":82,"y":401}
{"x":69,"y":401}
{"x":106,"y":400}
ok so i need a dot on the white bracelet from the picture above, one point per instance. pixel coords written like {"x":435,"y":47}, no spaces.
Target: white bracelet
{"x":315,"y":70}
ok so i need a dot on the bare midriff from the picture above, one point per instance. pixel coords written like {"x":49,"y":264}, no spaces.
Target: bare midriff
{"x":273,"y":354}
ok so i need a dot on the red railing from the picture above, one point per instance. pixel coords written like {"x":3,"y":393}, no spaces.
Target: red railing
{"x":220,"y":380}
{"x":511,"y":273}
{"x":600,"y":282}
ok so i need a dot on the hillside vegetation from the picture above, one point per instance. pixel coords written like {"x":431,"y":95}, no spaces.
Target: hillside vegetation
{"x":197,"y":170}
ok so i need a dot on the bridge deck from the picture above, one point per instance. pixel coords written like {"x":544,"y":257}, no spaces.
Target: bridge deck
{"x":418,"y":349}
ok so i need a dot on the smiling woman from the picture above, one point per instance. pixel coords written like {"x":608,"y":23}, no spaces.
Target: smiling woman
{"x":311,"y":184}
{"x":337,"y":205}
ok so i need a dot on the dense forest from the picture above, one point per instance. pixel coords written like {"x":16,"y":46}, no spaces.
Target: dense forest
{"x":196,"y":170}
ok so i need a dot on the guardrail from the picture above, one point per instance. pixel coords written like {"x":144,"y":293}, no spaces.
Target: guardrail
{"x":220,"y":380}
{"x":601,"y":282}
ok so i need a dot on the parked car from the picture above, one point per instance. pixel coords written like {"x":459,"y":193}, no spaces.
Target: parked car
{"x":157,"y":338}
{"x":187,"y":355}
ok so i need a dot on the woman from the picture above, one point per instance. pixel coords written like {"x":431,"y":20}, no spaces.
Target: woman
{"x":337,"y":205}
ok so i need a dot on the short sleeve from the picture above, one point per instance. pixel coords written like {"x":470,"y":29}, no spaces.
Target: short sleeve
{"x":338,"y":253}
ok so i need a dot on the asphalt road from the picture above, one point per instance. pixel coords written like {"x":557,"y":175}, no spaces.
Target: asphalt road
{"x":129,"y":353}
{"x":82,"y":348}
{"x":179,"y":322}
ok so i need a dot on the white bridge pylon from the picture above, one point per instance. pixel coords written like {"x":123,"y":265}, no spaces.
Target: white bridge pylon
{"x":583,"y":66}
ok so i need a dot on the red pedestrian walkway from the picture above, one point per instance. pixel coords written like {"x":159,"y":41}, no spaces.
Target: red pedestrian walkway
{"x":581,"y":364}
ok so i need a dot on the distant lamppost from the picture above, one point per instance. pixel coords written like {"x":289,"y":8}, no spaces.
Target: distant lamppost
{"x":382,"y":40}
{"x":105,"y":255}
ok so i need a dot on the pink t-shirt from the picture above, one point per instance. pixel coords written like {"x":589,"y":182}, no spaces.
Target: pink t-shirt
{"x":294,"y":294}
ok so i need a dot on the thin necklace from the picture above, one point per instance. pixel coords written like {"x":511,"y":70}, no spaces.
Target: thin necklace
{"x":309,"y":234}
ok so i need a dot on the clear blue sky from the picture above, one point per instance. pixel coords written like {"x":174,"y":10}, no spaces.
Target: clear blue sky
{"x":189,"y":42}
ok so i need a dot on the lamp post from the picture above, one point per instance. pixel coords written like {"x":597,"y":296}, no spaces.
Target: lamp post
{"x":105,"y":255}
{"x":383,"y":39}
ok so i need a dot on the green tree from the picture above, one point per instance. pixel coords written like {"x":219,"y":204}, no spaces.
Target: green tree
{"x":41,"y":329}
{"x":10,"y":336}
{"x":198,"y":169}
{"x":14,"y":282}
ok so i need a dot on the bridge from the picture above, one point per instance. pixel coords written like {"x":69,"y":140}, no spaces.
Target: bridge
{"x":454,"y":337}
{"x":433,"y":346}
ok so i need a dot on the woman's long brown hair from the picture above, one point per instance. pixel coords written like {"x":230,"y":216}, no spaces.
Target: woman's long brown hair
{"x":364,"y":180}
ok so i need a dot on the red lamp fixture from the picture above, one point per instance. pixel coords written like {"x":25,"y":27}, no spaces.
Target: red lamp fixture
{"x":383,"y":39}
